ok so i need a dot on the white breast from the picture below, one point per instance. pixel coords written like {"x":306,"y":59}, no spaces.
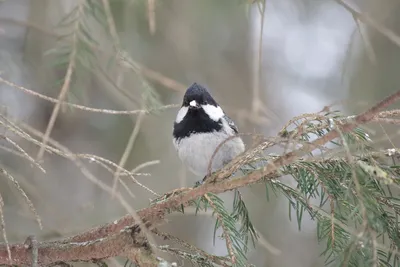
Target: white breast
{"x":196,"y":151}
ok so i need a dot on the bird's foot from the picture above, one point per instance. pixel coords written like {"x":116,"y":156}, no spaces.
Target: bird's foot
{"x":198,"y":183}
{"x":206,"y":179}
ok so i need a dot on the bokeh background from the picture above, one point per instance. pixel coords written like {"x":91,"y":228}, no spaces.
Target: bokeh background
{"x":311,"y":54}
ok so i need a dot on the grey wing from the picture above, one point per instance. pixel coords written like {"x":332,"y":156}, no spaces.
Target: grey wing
{"x":231,"y":124}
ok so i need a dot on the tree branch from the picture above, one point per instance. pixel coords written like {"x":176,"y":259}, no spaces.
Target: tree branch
{"x":123,"y":236}
{"x":124,"y":242}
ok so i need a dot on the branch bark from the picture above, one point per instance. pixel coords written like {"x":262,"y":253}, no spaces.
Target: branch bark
{"x":124,"y":242}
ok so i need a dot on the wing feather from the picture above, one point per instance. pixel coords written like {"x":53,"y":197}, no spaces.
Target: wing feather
{"x":231,"y":124}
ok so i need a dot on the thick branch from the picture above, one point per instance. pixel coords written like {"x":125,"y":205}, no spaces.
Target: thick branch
{"x":126,"y":241}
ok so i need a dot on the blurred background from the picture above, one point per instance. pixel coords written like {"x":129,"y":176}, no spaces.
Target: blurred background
{"x":264,"y":61}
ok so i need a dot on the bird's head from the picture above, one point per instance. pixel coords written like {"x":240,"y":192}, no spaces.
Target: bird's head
{"x":197,"y":96}
{"x":198,"y":99}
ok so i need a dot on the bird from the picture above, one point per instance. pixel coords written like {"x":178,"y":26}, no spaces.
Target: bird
{"x":199,"y":128}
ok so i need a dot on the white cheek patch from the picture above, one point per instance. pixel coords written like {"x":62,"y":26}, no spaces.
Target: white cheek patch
{"x":214,"y":112}
{"x":193,"y":103}
{"x":181,"y":114}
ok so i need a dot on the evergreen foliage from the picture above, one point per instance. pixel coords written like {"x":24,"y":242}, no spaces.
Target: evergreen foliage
{"x":354,"y":185}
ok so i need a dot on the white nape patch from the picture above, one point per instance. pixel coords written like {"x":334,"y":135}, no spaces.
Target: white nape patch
{"x":193,"y":103}
{"x":214,"y":112}
{"x":181,"y":114}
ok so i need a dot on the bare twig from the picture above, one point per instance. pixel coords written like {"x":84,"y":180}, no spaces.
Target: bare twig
{"x":25,"y":155}
{"x":127,"y":151}
{"x":3,"y":229}
{"x":391,"y":35}
{"x":111,"y":23}
{"x":256,"y":101}
{"x":151,"y":13}
{"x":85,"y":108}
{"x":22,"y":192}
{"x":367,"y":44}
{"x":144,"y":165}
{"x":63,"y":151}
{"x":267,"y":245}
{"x":138,"y":68}
{"x":209,"y":167}
{"x":65,"y":87}
{"x":93,"y":159}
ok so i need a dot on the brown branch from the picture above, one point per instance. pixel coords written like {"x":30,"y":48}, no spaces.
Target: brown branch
{"x":115,"y":239}
{"x":125,"y":242}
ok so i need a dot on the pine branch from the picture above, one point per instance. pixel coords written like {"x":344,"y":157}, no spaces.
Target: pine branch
{"x":241,"y":215}
{"x":334,"y":175}
{"x":230,"y":234}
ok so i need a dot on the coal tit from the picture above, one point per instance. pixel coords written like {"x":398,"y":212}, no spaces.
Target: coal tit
{"x":200,"y":127}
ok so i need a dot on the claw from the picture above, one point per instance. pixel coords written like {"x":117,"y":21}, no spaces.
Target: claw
{"x":198,"y":183}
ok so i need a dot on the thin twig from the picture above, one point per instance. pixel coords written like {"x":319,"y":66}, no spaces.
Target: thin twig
{"x":22,"y":192}
{"x":391,"y":35}
{"x":63,"y":151}
{"x":111,"y":23}
{"x":256,"y":103}
{"x":262,"y":241}
{"x":151,"y":13}
{"x":85,"y":108}
{"x":367,"y":44}
{"x":3,"y":228}
{"x":212,"y":258}
{"x":127,"y":151}
{"x":65,"y":87}
{"x":124,"y":172}
{"x":138,"y":68}
{"x":25,"y":155}
{"x":116,"y":42}
{"x":102,"y":164}
{"x":144,"y":165}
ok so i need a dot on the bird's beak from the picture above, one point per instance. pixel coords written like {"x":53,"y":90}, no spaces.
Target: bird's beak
{"x":193,"y":105}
